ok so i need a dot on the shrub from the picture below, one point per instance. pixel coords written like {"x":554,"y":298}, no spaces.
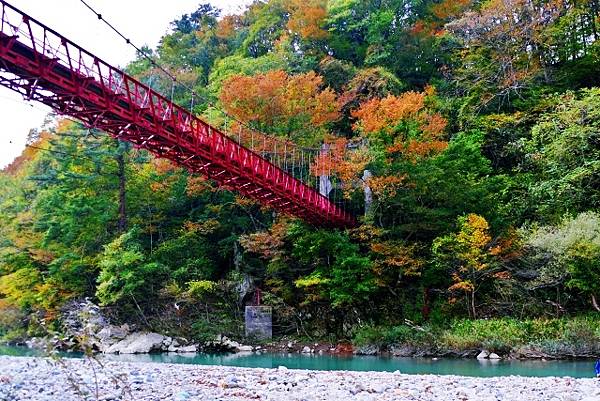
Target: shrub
{"x":384,"y":336}
{"x":571,"y":334}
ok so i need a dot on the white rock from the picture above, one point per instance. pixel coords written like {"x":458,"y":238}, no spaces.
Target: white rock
{"x":167,"y":342}
{"x":378,"y":388}
{"x":306,"y":350}
{"x":494,"y":356}
{"x":483,"y":355}
{"x":174,"y":346}
{"x":137,"y":343}
{"x":188,"y":348}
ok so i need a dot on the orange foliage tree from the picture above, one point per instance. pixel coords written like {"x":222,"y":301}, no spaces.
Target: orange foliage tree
{"x":400,"y":121}
{"x":383,"y":115}
{"x":227,"y":26}
{"x":293,"y":106}
{"x":307,"y":18}
{"x":404,"y":127}
{"x":393,"y":260}
{"x":433,"y":24}
{"x":268,"y":245}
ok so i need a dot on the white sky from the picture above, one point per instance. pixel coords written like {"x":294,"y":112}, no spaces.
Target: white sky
{"x":143,"y":21}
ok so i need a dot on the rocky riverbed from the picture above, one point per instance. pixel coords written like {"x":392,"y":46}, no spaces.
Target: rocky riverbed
{"x":43,"y":379}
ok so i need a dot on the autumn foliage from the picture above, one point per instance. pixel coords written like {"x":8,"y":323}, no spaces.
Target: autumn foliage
{"x":267,"y":244}
{"x":414,"y":129}
{"x":307,"y":18}
{"x":468,"y":256}
{"x":227,"y":26}
{"x":377,"y":115}
{"x":281,"y":103}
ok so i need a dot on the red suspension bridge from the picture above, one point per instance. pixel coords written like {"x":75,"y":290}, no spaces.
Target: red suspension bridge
{"x":44,"y":66}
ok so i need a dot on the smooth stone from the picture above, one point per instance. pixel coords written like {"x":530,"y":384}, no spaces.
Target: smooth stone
{"x":231,"y":381}
{"x":357,"y":389}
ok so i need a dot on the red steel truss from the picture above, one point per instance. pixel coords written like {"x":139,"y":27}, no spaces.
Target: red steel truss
{"x":40,"y":64}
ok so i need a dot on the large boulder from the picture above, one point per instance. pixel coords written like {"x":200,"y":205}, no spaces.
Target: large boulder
{"x":528,"y":352}
{"x":140,"y":343}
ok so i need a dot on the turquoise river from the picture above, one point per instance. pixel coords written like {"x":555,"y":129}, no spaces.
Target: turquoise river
{"x":442,"y":366}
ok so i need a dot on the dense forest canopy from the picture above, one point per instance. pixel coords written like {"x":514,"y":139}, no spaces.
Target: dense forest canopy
{"x":478,"y":120}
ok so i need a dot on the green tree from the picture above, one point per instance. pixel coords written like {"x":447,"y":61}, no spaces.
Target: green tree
{"x":341,"y":275}
{"x":570,"y":253}
{"x":584,"y":269}
{"x":126,"y":274}
{"x":565,"y":156}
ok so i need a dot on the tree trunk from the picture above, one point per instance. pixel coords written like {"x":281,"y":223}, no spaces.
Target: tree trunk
{"x":595,"y":303}
{"x":237,"y":256}
{"x":426,"y":310}
{"x":473,"y":305}
{"x":469,"y":311}
{"x":122,"y":224}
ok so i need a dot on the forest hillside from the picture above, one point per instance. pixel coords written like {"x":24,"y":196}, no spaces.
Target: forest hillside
{"x":478,"y":121}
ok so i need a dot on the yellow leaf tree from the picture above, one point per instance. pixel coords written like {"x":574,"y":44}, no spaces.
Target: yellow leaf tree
{"x":467,"y":256}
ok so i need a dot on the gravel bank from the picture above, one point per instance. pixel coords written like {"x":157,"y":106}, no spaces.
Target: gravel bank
{"x":33,"y":379}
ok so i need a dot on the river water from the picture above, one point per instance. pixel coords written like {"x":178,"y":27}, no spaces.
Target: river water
{"x":442,"y":366}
